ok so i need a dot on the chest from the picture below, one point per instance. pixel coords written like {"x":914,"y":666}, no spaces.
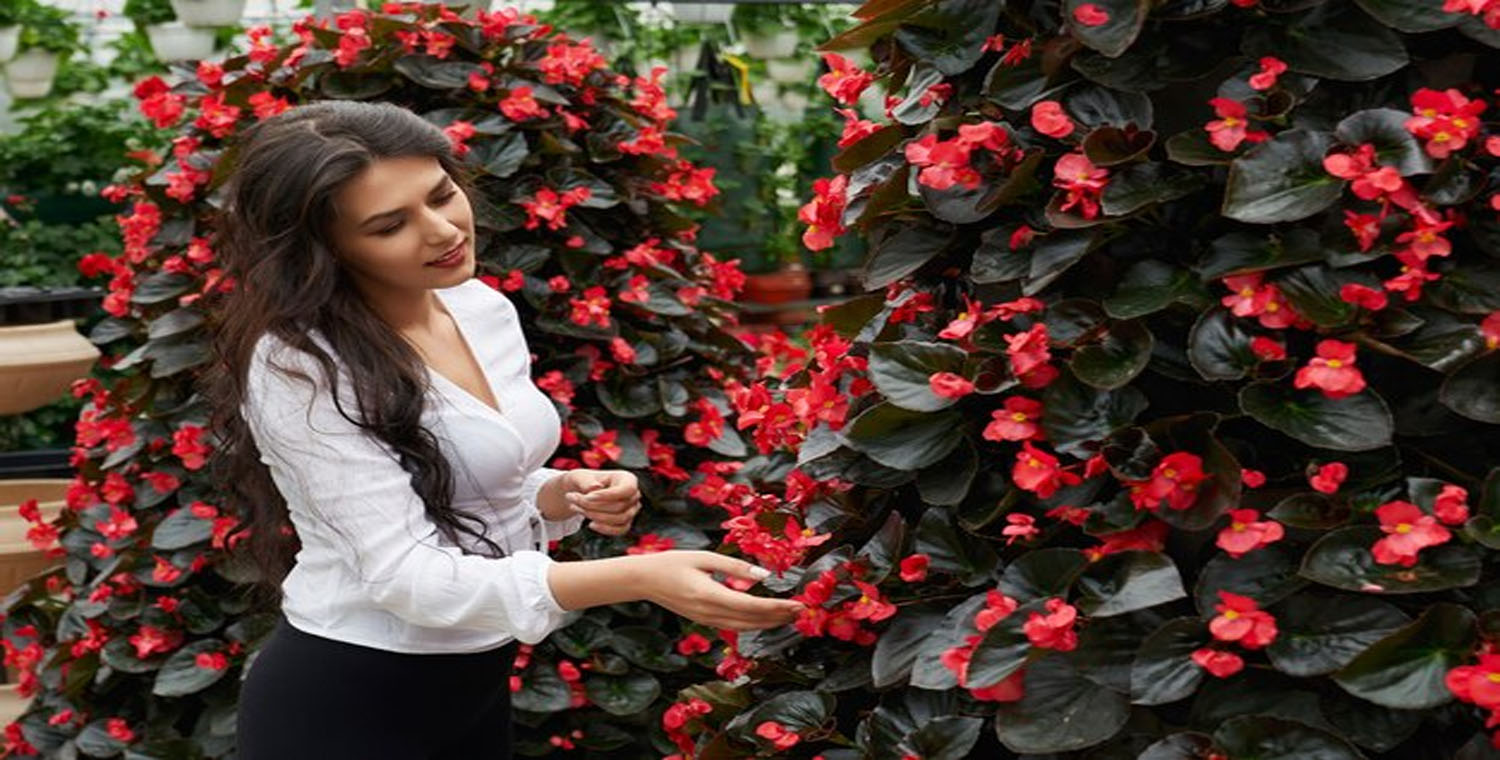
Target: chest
{"x":450,"y":357}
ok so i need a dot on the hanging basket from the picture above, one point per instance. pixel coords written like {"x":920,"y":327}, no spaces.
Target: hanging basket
{"x":10,"y":38}
{"x":791,"y":70}
{"x":779,"y":44}
{"x":30,"y":73}
{"x":209,"y":12}
{"x":176,"y":41}
{"x":703,"y":13}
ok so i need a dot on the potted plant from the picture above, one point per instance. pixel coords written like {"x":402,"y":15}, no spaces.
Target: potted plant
{"x":10,"y":31}
{"x":767,"y":29}
{"x":702,"y":13}
{"x":47,"y":36}
{"x":171,"y":39}
{"x":209,"y":12}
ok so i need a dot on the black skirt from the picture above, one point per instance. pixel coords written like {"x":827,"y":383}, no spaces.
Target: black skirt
{"x":306,"y":696}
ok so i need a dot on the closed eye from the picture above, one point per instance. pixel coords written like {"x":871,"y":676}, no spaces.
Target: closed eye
{"x":442,"y":200}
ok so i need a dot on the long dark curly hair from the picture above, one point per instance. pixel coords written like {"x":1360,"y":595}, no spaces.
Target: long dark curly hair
{"x":272,"y":235}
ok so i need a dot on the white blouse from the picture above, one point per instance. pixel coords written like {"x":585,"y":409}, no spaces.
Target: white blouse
{"x":373,"y":569}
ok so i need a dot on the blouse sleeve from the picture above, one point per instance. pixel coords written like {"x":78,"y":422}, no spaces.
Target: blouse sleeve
{"x":349,"y":489}
{"x":553,"y":530}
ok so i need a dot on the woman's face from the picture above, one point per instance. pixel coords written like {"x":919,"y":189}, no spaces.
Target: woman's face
{"x":395,"y":217}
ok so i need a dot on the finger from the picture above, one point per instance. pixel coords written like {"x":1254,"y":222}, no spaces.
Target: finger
{"x":736,"y":567}
{"x":608,"y":493}
{"x":627,"y":506}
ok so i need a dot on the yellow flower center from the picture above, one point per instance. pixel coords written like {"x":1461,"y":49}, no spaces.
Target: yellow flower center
{"x":1403,"y":528}
{"x":1034,"y":462}
{"x":1237,"y":526}
{"x":1170,"y":474}
{"x":1273,"y":306}
{"x":1335,"y":363}
{"x":1247,"y":292}
{"x":807,"y":531}
{"x":1460,"y":123}
{"x":1019,"y":416}
{"x":1493,"y":677}
{"x":1442,"y":137}
{"x":1231,"y":615}
{"x":1230,"y":121}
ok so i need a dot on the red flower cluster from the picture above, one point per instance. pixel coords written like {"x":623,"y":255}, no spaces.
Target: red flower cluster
{"x":1479,"y":685}
{"x":1240,"y":620}
{"x":1174,"y":480}
{"x":1246,"y":533}
{"x":1082,"y":181}
{"x":847,"y":621}
{"x":1248,"y":297}
{"x":1332,"y":371}
{"x":1233,"y":126}
{"x":1446,"y":120}
{"x":1408,"y":531}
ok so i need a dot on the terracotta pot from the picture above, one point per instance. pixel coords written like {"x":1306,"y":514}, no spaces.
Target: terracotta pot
{"x":39,"y":362}
{"x":781,"y":286}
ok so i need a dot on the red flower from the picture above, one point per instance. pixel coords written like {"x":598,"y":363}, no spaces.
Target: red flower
{"x":997,"y":607}
{"x":1360,"y":295}
{"x":949,"y":385}
{"x":844,"y":81}
{"x":1364,"y":227}
{"x":1490,"y":329}
{"x":1038,"y":472}
{"x":1021,"y":526}
{"x":1175,"y":479}
{"x":1232,"y":128}
{"x":1218,"y":662}
{"x":1332,"y":371}
{"x":1012,"y":688}
{"x":944,"y":163}
{"x":693,"y":643}
{"x":1329,"y":477}
{"x":914,"y":568}
{"x":778,"y":734}
{"x":592,"y":308}
{"x":1446,"y":120}
{"x":1241,"y":619}
{"x":822,"y":214}
{"x":1055,"y":629}
{"x":1252,"y":478}
{"x":1370,"y":180}
{"x":1408,"y":531}
{"x":1270,"y":68}
{"x":1028,"y":350}
{"x":1246,"y":533}
{"x":1477,"y":684}
{"x":119,"y":730}
{"x":1425,"y":240}
{"x":1451,"y":505}
{"x":519,"y":105}
{"x":1090,"y":14}
{"x":1083,"y":182}
{"x":1018,"y":421}
{"x":1048,"y":118}
{"x":1267,"y":349}
{"x":855,"y":128}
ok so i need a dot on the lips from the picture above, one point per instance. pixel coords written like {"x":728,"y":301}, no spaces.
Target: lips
{"x":451,"y":252}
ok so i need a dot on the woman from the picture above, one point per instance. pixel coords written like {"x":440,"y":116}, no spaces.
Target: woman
{"x":380,"y":429}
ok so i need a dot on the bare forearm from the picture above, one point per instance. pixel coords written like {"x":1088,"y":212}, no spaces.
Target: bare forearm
{"x":596,"y":582}
{"x":551,"y":500}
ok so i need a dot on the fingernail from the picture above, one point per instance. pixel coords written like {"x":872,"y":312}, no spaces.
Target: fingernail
{"x":760,"y":572}
{"x":577,"y":509}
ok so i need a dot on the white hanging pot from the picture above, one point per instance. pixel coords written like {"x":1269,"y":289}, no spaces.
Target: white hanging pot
{"x":209,"y":12}
{"x":779,"y":44}
{"x":176,"y":41}
{"x":703,"y":13}
{"x":30,"y":73}
{"x":684,"y":59}
{"x":766,"y":92}
{"x":791,"y":70}
{"x":10,"y":38}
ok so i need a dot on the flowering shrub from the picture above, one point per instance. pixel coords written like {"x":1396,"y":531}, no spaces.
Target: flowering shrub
{"x":136,"y":642}
{"x":1168,"y":427}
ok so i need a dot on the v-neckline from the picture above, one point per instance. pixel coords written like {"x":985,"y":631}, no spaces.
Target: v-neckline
{"x":463,"y":338}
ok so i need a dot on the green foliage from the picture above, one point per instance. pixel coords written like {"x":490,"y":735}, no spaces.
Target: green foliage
{"x":39,"y":254}
{"x":47,"y":27}
{"x":1088,"y":387}
{"x":147,"y":12}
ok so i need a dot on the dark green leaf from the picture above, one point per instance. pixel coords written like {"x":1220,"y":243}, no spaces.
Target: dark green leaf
{"x":1410,"y":15}
{"x":903,"y":439}
{"x":1164,"y":670}
{"x":1061,"y":712}
{"x":1079,"y":414}
{"x":901,"y":371}
{"x":1385,"y":129}
{"x":1342,"y":559}
{"x":1320,"y":634}
{"x":1120,"y":355}
{"x":1473,"y":390}
{"x":180,"y":675}
{"x":1244,"y":252}
{"x":1406,"y":669}
{"x":1128,"y":581}
{"x":1312,"y":511}
{"x":1042,"y":573}
{"x":1281,"y":180}
{"x":1266,"y":575}
{"x":897,"y":648}
{"x":1265,"y":738}
{"x":1140,"y":185}
{"x":1114,"y":36}
{"x":1355,"y":423}
{"x":1218,"y":348}
{"x":898,"y":255}
{"x":1147,"y":287}
{"x":1332,"y":41}
{"x":623,"y":695}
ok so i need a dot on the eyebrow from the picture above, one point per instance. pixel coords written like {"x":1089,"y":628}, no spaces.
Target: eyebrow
{"x":439,"y":186}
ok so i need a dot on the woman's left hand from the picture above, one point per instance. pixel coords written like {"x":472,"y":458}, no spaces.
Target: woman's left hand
{"x":608,"y":498}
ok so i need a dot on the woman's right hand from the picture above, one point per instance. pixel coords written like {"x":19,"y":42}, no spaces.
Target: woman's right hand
{"x":681,"y":580}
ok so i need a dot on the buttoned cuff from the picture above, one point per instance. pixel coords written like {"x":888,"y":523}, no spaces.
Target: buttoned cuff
{"x":552,"y":530}
{"x":545,"y":614}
